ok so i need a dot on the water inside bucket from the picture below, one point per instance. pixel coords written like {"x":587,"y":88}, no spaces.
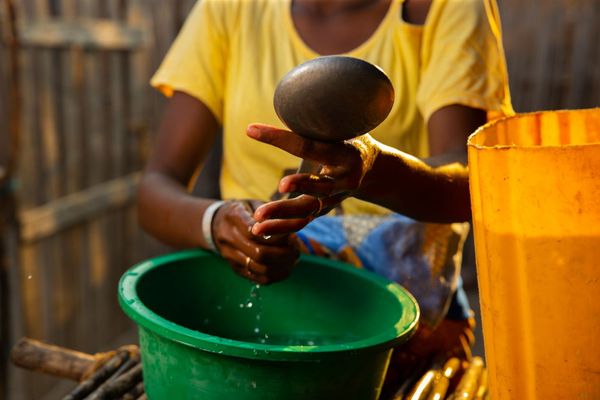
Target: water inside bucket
{"x":300,"y":339}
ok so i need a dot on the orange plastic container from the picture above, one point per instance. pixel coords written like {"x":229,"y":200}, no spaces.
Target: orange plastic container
{"x":535,"y":193}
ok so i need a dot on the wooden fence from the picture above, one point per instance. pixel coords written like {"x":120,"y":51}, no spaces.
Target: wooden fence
{"x":553,"y":53}
{"x":88,"y":118}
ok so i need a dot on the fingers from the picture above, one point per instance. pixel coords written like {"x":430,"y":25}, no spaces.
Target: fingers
{"x":325,"y":153}
{"x":298,"y":207}
{"x":265,"y":254}
{"x":286,"y":216}
{"x":260,"y":259}
{"x":280,"y":226}
{"x":240,"y":263}
{"x":315,"y":185}
{"x":344,"y":164}
{"x":319,"y":185}
{"x":260,"y":272}
{"x":291,"y":215}
{"x":239,"y":216}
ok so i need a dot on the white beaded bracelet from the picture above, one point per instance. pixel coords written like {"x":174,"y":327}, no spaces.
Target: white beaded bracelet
{"x":207,"y":220}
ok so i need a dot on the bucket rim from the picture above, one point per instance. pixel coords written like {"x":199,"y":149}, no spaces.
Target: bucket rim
{"x":135,"y":309}
{"x":483,"y":128}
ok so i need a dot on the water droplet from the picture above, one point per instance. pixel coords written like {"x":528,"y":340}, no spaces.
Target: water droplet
{"x":257,"y":330}
{"x":29,"y":276}
{"x":219,"y":307}
{"x":310,"y":343}
{"x":255,"y":352}
{"x":249,"y":305}
{"x":253,"y":385}
{"x":241,"y":305}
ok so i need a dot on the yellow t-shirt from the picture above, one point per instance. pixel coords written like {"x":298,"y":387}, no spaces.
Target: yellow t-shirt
{"x":231,"y":54}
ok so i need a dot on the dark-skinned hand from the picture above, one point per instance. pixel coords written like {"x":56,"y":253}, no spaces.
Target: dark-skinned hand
{"x":344,"y":165}
{"x":261,"y":259}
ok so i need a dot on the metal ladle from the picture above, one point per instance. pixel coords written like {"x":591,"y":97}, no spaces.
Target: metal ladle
{"x":333,"y":98}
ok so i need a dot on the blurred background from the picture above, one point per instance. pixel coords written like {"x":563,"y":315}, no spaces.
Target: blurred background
{"x":77,"y":119}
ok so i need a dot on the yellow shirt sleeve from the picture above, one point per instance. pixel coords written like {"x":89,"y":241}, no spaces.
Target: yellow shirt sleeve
{"x":195,"y":63}
{"x":463,"y":59}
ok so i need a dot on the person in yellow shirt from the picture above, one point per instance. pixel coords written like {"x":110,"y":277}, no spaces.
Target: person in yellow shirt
{"x":444,"y":58}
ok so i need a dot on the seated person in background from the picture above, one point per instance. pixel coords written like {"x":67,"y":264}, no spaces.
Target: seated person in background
{"x":446,"y":63}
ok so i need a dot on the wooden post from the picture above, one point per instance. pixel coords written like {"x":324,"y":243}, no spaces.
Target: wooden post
{"x":8,"y":163}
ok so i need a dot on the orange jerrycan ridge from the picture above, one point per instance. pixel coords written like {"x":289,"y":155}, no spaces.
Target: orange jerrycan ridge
{"x":535,"y":196}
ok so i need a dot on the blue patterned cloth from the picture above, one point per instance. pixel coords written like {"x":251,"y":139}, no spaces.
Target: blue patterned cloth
{"x":424,"y":258}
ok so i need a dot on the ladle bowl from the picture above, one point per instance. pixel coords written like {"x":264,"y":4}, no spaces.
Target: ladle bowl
{"x":333,"y":98}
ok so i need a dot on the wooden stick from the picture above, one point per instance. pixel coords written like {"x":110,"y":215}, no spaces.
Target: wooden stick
{"x":483,"y":386}
{"x":37,"y":356}
{"x":441,"y":385}
{"x":424,"y":386}
{"x":100,"y":376}
{"x":411,"y":380}
{"x":114,"y":389}
{"x":134,"y":393}
{"x":16,"y":100}
{"x":132,"y":362}
{"x":106,"y":375}
{"x":469,"y":384}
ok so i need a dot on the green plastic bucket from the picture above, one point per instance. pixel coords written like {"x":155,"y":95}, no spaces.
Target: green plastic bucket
{"x":324,"y":333}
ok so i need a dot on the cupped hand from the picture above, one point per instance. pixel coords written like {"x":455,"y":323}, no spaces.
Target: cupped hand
{"x":344,"y":165}
{"x":261,"y":259}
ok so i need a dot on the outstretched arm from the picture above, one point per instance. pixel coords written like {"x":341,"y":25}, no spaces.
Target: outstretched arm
{"x":434,"y":190}
{"x":366,"y":169}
